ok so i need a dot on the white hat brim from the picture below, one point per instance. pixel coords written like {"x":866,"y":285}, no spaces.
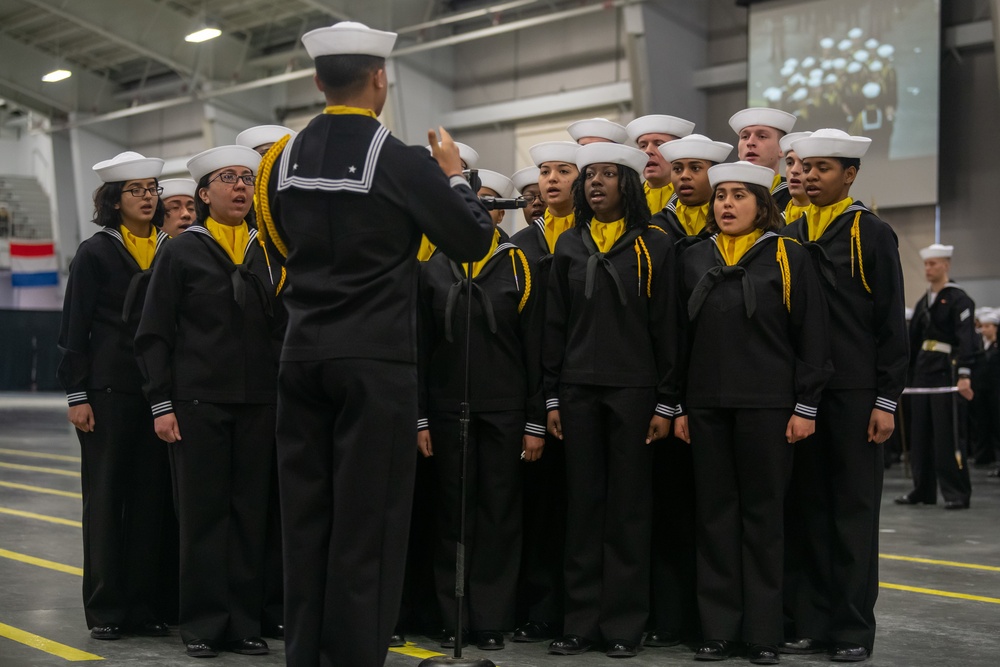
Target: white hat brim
{"x":776,"y":118}
{"x":263,"y":134}
{"x":659,"y":124}
{"x":223,"y":156}
{"x":741,"y":172}
{"x":348,"y":38}
{"x":128,"y":166}
{"x":605,"y":152}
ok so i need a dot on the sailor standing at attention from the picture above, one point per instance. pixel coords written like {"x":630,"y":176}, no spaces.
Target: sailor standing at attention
{"x":649,"y":133}
{"x":943,"y":348}
{"x":346,"y":204}
{"x":837,"y":476}
{"x":760,"y":130}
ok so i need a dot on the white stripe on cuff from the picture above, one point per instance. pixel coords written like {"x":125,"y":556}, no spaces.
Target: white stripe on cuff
{"x":422,"y":424}
{"x":885,"y":404}
{"x":667,"y":411}
{"x":806,"y":411}
{"x":534,"y":429}
{"x":161,"y":409}
{"x":77,"y":397}
{"x":552,"y":404}
{"x":965,"y":371}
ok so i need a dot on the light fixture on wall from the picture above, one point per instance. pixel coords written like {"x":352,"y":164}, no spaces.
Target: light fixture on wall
{"x":57,"y":75}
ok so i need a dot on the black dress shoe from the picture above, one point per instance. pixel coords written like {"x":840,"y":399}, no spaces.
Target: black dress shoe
{"x":994,"y":473}
{"x":272,"y":630}
{"x":249,"y":646}
{"x":533,"y":632}
{"x":201,"y":649}
{"x":849,"y":653}
{"x":570,"y":645}
{"x":106,"y":632}
{"x":905,"y":499}
{"x":802,"y":646}
{"x":660,"y":638}
{"x":714,"y":649}
{"x":448,"y":640}
{"x":397,"y":640}
{"x":763,"y":655}
{"x":956,"y":505}
{"x":620,"y":649}
{"x":489,"y":641}
{"x":152,"y":629}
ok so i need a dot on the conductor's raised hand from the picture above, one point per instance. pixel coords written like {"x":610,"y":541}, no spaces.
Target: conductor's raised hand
{"x":445,"y":152}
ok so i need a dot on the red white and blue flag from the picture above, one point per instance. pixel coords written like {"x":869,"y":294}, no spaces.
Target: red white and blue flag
{"x":33,"y":264}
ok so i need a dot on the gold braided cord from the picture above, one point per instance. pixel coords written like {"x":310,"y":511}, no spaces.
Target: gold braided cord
{"x":638,"y":268}
{"x":856,"y":243}
{"x":527,"y":277}
{"x":786,"y":274}
{"x":658,"y":228}
{"x":649,"y":268}
{"x":264,"y":219}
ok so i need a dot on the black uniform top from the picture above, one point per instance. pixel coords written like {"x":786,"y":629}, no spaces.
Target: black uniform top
{"x":950,"y":319}
{"x":608,"y":316}
{"x":104,"y":299}
{"x":351,"y":202}
{"x":857,"y":259}
{"x":987,"y":376}
{"x":778,"y":355}
{"x":207,"y":327}
{"x":531,"y":241}
{"x":668,"y":221}
{"x":781,"y":194}
{"x":505,"y":342}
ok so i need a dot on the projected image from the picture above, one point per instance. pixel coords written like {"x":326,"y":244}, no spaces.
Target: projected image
{"x":869,"y":68}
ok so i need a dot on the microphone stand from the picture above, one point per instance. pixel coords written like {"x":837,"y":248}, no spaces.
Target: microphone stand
{"x":457,"y":660}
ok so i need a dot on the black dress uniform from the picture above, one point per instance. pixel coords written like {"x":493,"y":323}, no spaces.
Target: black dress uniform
{"x":505,"y":404}
{"x":606,"y":354}
{"x":674,"y":606}
{"x":986,"y":402}
{"x":351,"y":201}
{"x":125,"y":474}
{"x":837,"y":477}
{"x":780,"y":193}
{"x":541,"y":586}
{"x":771,"y":302}
{"x":205,"y":347}
{"x":942,"y":348}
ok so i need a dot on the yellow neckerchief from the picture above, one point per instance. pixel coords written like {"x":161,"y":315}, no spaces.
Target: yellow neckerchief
{"x":606,"y":233}
{"x":233,"y":239}
{"x":657,"y":198}
{"x":556,"y":225}
{"x":818,"y":218}
{"x":341,"y":110}
{"x":141,"y":249}
{"x":734,"y":247}
{"x":478,"y":266}
{"x":775,"y":181}
{"x":426,"y":249}
{"x":692,"y":218}
{"x":793,"y":211}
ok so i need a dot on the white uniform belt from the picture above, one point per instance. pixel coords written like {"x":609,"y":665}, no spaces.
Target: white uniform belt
{"x":936,"y":346}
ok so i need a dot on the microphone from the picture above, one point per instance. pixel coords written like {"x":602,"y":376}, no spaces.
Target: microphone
{"x":494,"y":203}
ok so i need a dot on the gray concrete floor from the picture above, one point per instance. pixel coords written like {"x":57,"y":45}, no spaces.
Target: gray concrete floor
{"x":927,"y":622}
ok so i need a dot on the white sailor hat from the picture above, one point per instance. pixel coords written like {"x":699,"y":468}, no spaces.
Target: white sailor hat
{"x":597,"y":127}
{"x":466,"y":153}
{"x":861,"y":55}
{"x":831,"y":143}
{"x":826,"y":64}
{"x":839,"y":63}
{"x":990,"y":317}
{"x":740,"y":172}
{"x":875,"y":66}
{"x":223,"y":156}
{"x":855,"y":33}
{"x":786,"y":141}
{"x":830,"y":78}
{"x":826,"y":43}
{"x":348,"y":38}
{"x":696,"y":147}
{"x":937,"y":250}
{"x":808,"y":62}
{"x":981,"y":310}
{"x":787,"y":70}
{"x":128,"y":166}
{"x":780,"y":120}
{"x":496,"y":182}
{"x":799,"y":94}
{"x":791,"y":62}
{"x":554,"y":151}
{"x":816,"y":73}
{"x":844,"y":44}
{"x":627,"y":156}
{"x":885,"y":50}
{"x":771,"y":94}
{"x":660,"y":124}
{"x":522,"y":178}
{"x":854,"y":67}
{"x":262,"y":134}
{"x":797,"y":79}
{"x":173,"y":187}
{"x":871,"y":43}
{"x":871,"y":90}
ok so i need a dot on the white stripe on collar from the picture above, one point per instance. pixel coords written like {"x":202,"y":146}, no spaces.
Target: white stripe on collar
{"x":362,"y":184}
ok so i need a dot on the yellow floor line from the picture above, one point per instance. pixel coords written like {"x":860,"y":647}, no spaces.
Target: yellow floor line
{"x":415,"y":651}
{"x":949,"y":563}
{"x":53,"y":471}
{"x":40,"y":455}
{"x":943,"y":594}
{"x":42,"y":644}
{"x":41,"y":517}
{"x":41,"y":562}
{"x":41,"y":489}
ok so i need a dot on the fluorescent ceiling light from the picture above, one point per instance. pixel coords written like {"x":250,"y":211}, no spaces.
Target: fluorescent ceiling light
{"x":57,"y":75}
{"x":203,"y":35}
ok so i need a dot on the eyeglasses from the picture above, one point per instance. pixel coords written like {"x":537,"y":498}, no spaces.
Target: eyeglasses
{"x":230,"y":178}
{"x":141,"y":192}
{"x":531,"y":199}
